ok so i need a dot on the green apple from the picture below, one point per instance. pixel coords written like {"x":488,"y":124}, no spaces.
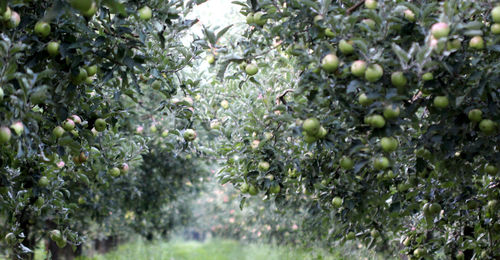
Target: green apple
{"x":100,"y":124}
{"x":53,"y":48}
{"x":43,"y":181}
{"x":460,"y":255}
{"x":275,"y":189}
{"x":371,"y":4}
{"x":244,"y":187}
{"x":317,"y":18}
{"x":252,"y":190}
{"x":153,"y":128}
{"x":322,"y":132}
{"x":398,"y":79}
{"x":490,"y":169}
{"x":409,"y":15}
{"x":14,"y":20}
{"x":337,"y":202}
{"x":440,"y":30}
{"x":80,"y":77}
{"x":115,"y":172}
{"x":250,"y":19}
{"x":7,"y":14}
{"x":370,"y":23}
{"x":477,"y":43}
{"x":68,"y":125}
{"x":55,"y":235}
{"x":259,"y":19}
{"x":350,"y":236}
{"x":434,"y":208}
{"x":381,"y":163}
{"x":18,"y":128}
{"x":346,"y":163}
{"x":263,"y":166}
{"x":358,"y":68}
{"x":378,"y":121}
{"x":330,"y":63}
{"x":346,"y":47}
{"x":495,"y":28}
{"x":224,"y":104}
{"x":164,"y":133}
{"x":373,"y":72}
{"x":391,"y":112}
{"x":427,"y":76}
{"x":156,"y":85}
{"x":389,"y":144}
{"x":454,"y":44}
{"x":58,"y":131}
{"x":42,"y":29}
{"x":251,"y":69}
{"x":145,"y":13}
{"x":189,"y":135}
{"x":81,"y":200}
{"x":475,"y":115}
{"x":215,"y":124}
{"x":419,"y":252}
{"x":495,"y":14}
{"x":374,"y":233}
{"x":90,"y":12}
{"x":441,"y":101}
{"x":5,"y":135}
{"x":311,"y":126}
{"x":91,"y":70}
{"x":364,"y":100}
{"x":210,"y":59}
{"x":329,"y":33}
{"x":492,"y":205}
{"x":310,"y":138}
{"x":487,"y":126}
{"x":81,"y":5}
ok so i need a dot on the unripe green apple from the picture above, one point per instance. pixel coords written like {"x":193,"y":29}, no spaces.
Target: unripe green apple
{"x":153,"y":128}
{"x":350,"y":236}
{"x":409,"y":15}
{"x":378,"y":121}
{"x":259,"y":19}
{"x":145,"y":13}
{"x":477,"y":43}
{"x":81,"y":200}
{"x":14,"y":20}
{"x":68,"y":125}
{"x":263,"y":166}
{"x":427,"y":76}
{"x":81,"y":5}
{"x":250,"y":19}
{"x":358,"y":68}
{"x":322,"y":132}
{"x":311,"y":126}
{"x":346,"y":47}
{"x":100,"y":124}
{"x":210,"y":59}
{"x":80,"y":77}
{"x":252,"y":190}
{"x":224,"y":104}
{"x":251,"y":69}
{"x":5,"y":135}
{"x":381,"y":163}
{"x":391,"y":111}
{"x":55,"y":235}
{"x":440,"y":30}
{"x":42,"y":29}
{"x":330,"y":63}
{"x":460,"y":255}
{"x":43,"y":181}
{"x":398,"y":79}
{"x":91,"y":12}
{"x":244,"y":187}
{"x":91,"y":70}
{"x":490,"y":169}
{"x":189,"y":135}
{"x":492,"y":205}
{"x":419,"y":252}
{"x":389,"y":144}
{"x":53,"y":48}
{"x":370,"y":23}
{"x":7,"y":14}
{"x":475,"y":115}
{"x":115,"y":172}
{"x":58,"y":132}
{"x":337,"y":202}
{"x":373,"y":72}
{"x":487,"y":126}
{"x":275,"y":189}
{"x":364,"y":100}
{"x":317,"y":18}
{"x":495,"y":28}
{"x":18,"y":128}
{"x":374,"y":233}
{"x":495,"y":14}
{"x":346,"y":163}
{"x":371,"y":4}
{"x":441,"y":101}
{"x":454,"y":44}
{"x":156,"y":85}
{"x":329,"y":33}
{"x":434,"y":208}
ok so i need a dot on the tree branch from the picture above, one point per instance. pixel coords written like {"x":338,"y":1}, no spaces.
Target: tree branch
{"x":354,"y":7}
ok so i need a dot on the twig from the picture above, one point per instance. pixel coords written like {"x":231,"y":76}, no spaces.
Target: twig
{"x":354,"y":7}
{"x":282,"y":95}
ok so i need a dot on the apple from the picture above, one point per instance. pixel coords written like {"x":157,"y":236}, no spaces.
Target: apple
{"x":373,"y":72}
{"x":378,"y":121}
{"x":7,"y":14}
{"x":492,"y":205}
{"x":434,"y":208}
{"x":91,"y":70}
{"x":329,"y":33}
{"x":244,"y":187}
{"x":252,"y":190}
{"x":42,"y":29}
{"x":224,"y":104}
{"x":477,"y":43}
{"x":189,"y":135}
{"x":259,"y":19}
{"x":317,"y":18}
{"x":164,"y":133}
{"x":495,"y":14}
{"x":427,"y":76}
{"x":391,"y":111}
{"x":409,"y":15}
{"x":115,"y":172}
{"x":419,"y":252}
{"x":358,"y":68}
{"x":58,"y":131}
{"x":210,"y":59}
{"x":43,"y":182}
{"x":389,"y":144}
{"x":475,"y":115}
{"x":322,"y":132}
{"x":460,"y":255}
{"x":350,"y":236}
{"x":346,"y":47}
{"x":215,"y":124}
{"x":5,"y":135}
{"x":100,"y":124}
{"x":440,"y":30}
{"x":330,"y":62}
{"x":14,"y":20}
{"x":251,"y":69}
{"x":441,"y":101}
{"x":310,"y":138}
{"x":156,"y":85}
{"x":90,"y":12}
{"x":374,"y":233}
{"x":55,"y":235}
{"x":145,"y":13}
{"x":81,"y":5}
{"x":255,"y":144}
{"x":68,"y":125}
{"x":311,"y":126}
{"x":490,"y":169}
{"x":18,"y":128}
{"x":346,"y":163}
{"x":337,"y":202}
{"x":371,"y":4}
{"x":153,"y":128}
{"x":89,"y":80}
{"x":364,"y":100}
{"x":76,"y":119}
{"x":381,"y":163}
{"x":370,"y":23}
{"x":53,"y":48}
{"x":81,"y":200}
{"x":495,"y":28}
{"x":80,"y":77}
{"x":263,"y":166}
{"x":398,"y":79}
{"x":275,"y":189}
{"x":124,"y":169}
{"x":250,"y":19}
{"x":487,"y":126}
